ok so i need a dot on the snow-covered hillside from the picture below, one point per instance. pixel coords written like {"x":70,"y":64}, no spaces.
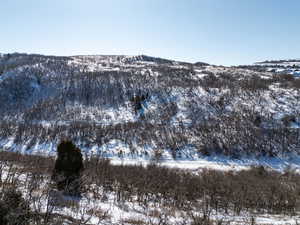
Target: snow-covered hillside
{"x":291,"y":66}
{"x":147,"y":108}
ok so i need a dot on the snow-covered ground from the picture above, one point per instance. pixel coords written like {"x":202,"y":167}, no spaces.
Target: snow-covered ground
{"x":130,"y":211}
{"x":221,"y":163}
{"x":119,"y":153}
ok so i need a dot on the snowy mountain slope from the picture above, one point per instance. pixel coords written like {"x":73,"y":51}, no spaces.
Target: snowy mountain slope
{"x":154,"y":108}
{"x":291,"y":66}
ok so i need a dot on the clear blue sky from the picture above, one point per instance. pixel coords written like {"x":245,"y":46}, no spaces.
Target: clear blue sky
{"x":225,"y":32}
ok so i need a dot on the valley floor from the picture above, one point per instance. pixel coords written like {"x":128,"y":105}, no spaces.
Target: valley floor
{"x":219,"y":162}
{"x":189,"y":159}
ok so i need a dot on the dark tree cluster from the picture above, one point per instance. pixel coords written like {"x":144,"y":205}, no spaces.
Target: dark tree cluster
{"x":137,"y":101}
{"x":68,"y":167}
{"x":14,"y":210}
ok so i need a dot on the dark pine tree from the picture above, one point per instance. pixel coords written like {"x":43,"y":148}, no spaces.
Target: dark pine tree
{"x":68,"y":167}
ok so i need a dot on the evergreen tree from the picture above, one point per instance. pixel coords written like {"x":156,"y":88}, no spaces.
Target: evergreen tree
{"x":68,"y":166}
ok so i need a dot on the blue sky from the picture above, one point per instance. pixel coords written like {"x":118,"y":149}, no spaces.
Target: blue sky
{"x":225,"y":32}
